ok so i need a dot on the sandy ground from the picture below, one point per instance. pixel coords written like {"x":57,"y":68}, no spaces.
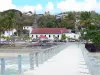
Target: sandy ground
{"x":70,"y":61}
{"x":8,"y":55}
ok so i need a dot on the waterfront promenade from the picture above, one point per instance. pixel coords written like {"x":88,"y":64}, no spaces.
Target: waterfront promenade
{"x":69,"y":61}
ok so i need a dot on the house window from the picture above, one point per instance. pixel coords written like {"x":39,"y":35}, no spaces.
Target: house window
{"x":53,"y":35}
{"x":58,"y":36}
{"x":32,"y":35}
{"x":74,"y":36}
{"x":36,"y":36}
{"x":49,"y":36}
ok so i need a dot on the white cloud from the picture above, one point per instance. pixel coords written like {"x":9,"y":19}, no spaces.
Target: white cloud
{"x":39,"y":7}
{"x":27,"y":8}
{"x":65,"y":5}
{"x":50,"y":7}
{"x":7,"y":4}
{"x":73,"y":5}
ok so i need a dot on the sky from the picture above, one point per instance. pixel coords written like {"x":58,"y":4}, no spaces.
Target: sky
{"x":54,"y":6}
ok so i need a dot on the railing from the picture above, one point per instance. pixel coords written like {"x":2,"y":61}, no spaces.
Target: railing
{"x":93,"y":62}
{"x":28,"y":61}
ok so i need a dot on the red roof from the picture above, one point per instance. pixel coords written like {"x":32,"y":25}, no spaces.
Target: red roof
{"x":41,"y":36}
{"x":49,"y":30}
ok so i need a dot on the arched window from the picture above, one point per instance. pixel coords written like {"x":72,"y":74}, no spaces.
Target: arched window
{"x":53,"y":35}
{"x":49,"y":36}
{"x":36,"y":36}
{"x":58,"y":36}
{"x":32,"y":35}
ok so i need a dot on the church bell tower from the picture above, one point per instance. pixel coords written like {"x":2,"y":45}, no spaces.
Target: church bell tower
{"x":35,"y":20}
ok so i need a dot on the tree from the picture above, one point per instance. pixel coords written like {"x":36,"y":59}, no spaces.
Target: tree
{"x":27,"y":38}
{"x":25,"y":31}
{"x":63,"y":37}
{"x":14,"y":19}
{"x":48,"y":21}
{"x":68,"y":21}
{"x":85,"y":18}
{"x":92,"y":34}
{"x":1,"y":24}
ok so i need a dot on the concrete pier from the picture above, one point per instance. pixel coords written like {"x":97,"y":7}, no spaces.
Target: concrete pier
{"x":69,"y":61}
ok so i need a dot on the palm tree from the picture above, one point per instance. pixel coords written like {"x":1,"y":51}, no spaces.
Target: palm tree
{"x":85,"y":19}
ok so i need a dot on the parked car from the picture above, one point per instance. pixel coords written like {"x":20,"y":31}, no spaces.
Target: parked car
{"x":72,"y":40}
{"x":35,"y":40}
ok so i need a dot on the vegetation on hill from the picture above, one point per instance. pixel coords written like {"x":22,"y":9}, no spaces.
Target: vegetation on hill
{"x":14,"y":19}
{"x":73,"y":20}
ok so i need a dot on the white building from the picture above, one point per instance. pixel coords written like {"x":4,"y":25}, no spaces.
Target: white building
{"x":61,"y":15}
{"x":28,"y":13}
{"x":73,"y":35}
{"x":29,"y":28}
{"x":9,"y":32}
{"x":50,"y":33}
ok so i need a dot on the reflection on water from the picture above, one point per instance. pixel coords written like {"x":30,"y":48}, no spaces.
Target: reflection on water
{"x":41,"y":47}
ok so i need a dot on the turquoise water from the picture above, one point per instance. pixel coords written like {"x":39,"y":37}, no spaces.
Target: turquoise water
{"x":12,"y":65}
{"x":11,"y":73}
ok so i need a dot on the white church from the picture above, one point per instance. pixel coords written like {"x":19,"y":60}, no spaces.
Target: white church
{"x":50,"y":33}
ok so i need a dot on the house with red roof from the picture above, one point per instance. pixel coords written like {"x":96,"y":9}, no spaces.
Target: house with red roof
{"x":48,"y":33}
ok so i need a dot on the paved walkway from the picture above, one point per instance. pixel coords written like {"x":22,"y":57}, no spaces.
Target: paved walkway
{"x":70,"y":61}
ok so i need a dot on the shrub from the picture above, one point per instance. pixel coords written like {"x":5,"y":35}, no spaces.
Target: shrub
{"x":63,"y":37}
{"x":26,"y":38}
